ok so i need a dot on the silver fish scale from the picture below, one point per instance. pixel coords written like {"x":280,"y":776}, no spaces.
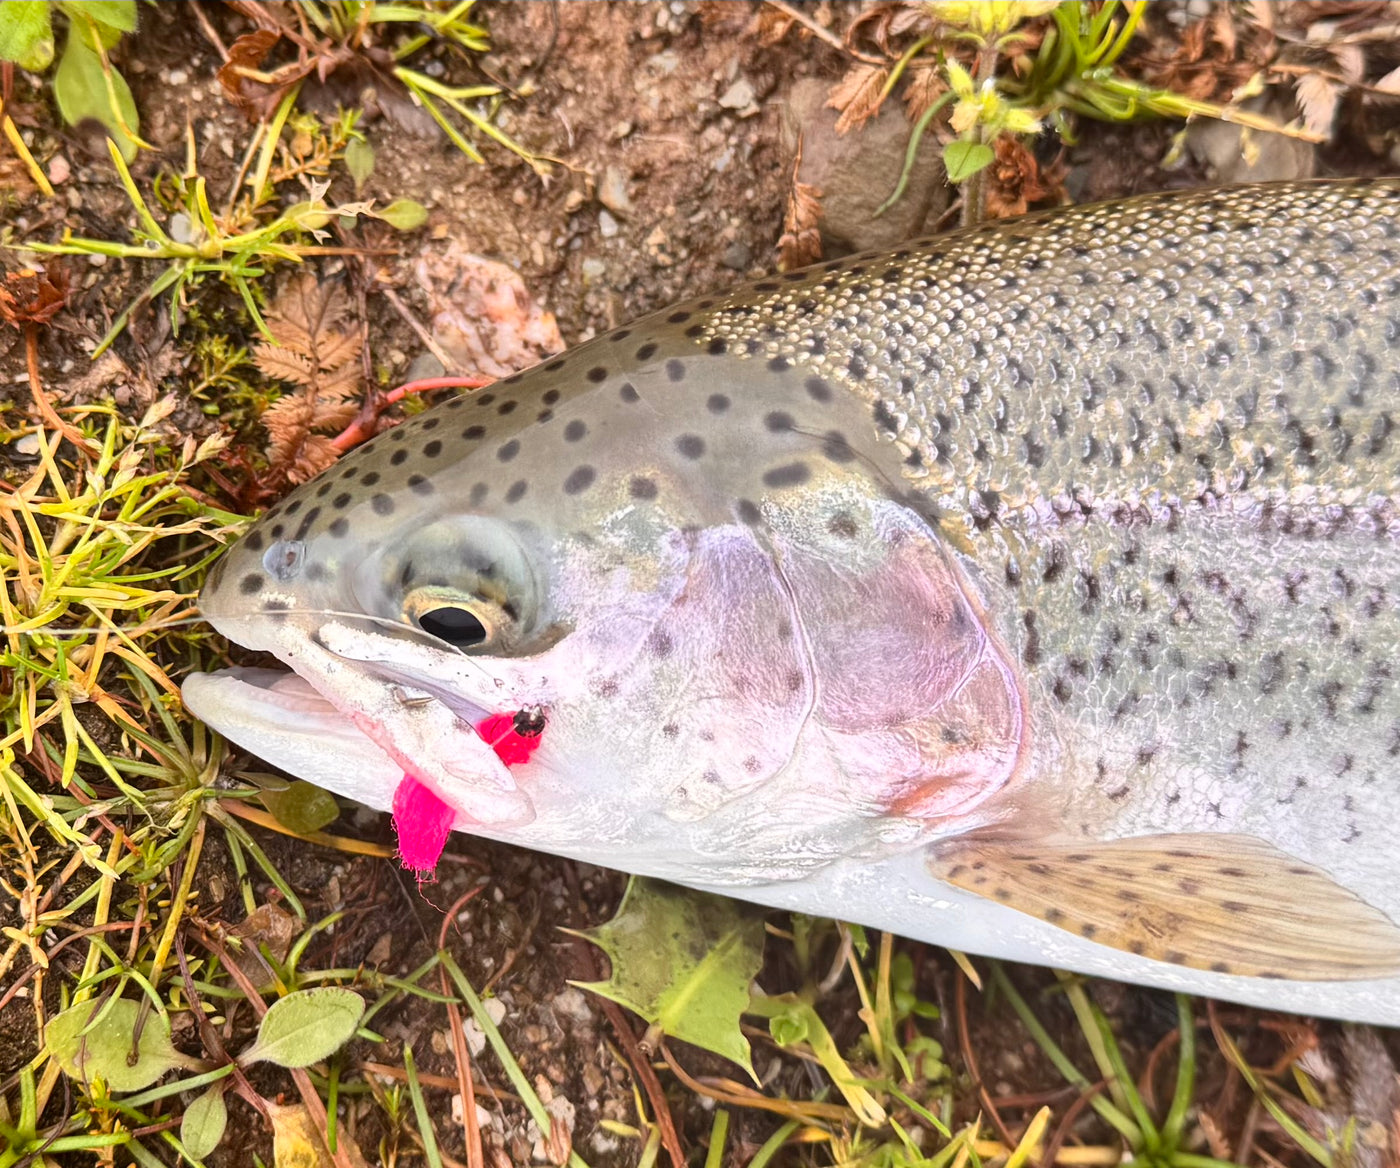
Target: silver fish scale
{"x":1102,"y":355}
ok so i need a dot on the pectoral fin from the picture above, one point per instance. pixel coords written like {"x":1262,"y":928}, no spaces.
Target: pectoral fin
{"x":1227,"y":903}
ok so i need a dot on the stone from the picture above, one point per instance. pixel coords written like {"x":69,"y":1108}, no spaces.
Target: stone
{"x":857,"y":171}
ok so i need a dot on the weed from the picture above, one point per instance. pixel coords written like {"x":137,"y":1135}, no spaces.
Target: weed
{"x":346,"y":30}
{"x":85,"y":85}
{"x":1004,"y":72}
{"x":202,"y":244}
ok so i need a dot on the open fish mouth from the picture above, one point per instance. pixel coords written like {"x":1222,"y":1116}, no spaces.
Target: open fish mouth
{"x":286,"y":721}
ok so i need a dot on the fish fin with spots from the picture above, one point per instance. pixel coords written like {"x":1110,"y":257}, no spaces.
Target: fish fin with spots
{"x":1227,"y":903}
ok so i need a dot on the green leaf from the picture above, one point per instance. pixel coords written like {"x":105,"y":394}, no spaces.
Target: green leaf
{"x":301,"y":807}
{"x":359,"y":161}
{"x":964,"y":159}
{"x":404,"y":215}
{"x":305,"y":1027}
{"x":105,"y":1050}
{"x":80,"y":88}
{"x":26,"y":34}
{"x":202,"y":1126}
{"x":683,"y":960}
{"x":117,"y":14}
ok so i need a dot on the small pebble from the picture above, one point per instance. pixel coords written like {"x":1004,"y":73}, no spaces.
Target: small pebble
{"x":607,"y":225}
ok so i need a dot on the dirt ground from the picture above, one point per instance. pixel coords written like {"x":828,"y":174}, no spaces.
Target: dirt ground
{"x":637,"y":100}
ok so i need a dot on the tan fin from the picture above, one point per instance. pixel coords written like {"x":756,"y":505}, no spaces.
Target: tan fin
{"x":1227,"y":903}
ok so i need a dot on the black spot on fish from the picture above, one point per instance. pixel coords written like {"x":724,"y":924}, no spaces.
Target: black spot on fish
{"x":516,"y":491}
{"x":382,"y":504}
{"x":555,"y":365}
{"x":508,"y":451}
{"x":646,"y":352}
{"x":432,"y":449}
{"x":472,"y":433}
{"x":579,"y":480}
{"x":399,"y":457}
{"x":717,"y":347}
{"x":675,"y":370}
{"x":339,"y":527}
{"x":574,"y":431}
{"x":779,"y":421}
{"x":717,"y":403}
{"x":836,"y":447}
{"x":792,"y":474}
{"x":842,"y":524}
{"x":818,"y":389}
{"x":420,"y":485}
{"x":251,"y":583}
{"x":778,"y":364}
{"x":506,"y":407}
{"x":550,"y":397}
{"x":597,"y":374}
{"x":690,"y":446}
{"x":749,"y":513}
{"x":628,"y":393}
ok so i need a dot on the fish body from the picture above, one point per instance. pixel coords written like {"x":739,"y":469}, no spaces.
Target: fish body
{"x":1032,"y":589}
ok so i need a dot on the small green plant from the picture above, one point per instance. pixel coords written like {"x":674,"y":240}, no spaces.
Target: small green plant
{"x":350,"y":28}
{"x":85,"y":85}
{"x":199,"y":244}
{"x":1010,"y":69}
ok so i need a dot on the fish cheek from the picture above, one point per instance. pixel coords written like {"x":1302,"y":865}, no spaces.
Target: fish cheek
{"x":721,"y":681}
{"x":919,"y":702}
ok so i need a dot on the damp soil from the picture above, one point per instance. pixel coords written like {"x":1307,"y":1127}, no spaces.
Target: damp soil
{"x":637,"y":102}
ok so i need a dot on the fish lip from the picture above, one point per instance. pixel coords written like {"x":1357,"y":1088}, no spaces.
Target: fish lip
{"x":405,"y":680}
{"x":297,"y":730}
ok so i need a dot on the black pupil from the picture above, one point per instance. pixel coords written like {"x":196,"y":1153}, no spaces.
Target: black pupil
{"x":456,"y":626}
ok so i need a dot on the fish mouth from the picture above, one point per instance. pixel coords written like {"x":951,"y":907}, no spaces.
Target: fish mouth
{"x":284,"y":720}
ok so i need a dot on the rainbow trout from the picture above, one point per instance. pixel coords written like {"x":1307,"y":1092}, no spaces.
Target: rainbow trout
{"x":1032,"y":590}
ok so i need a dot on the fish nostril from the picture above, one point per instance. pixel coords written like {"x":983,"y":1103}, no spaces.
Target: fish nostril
{"x":284,"y":558}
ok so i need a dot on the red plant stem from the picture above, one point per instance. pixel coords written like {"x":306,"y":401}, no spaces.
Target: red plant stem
{"x":362,"y":429}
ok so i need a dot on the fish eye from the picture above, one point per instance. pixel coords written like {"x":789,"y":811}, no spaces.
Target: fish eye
{"x":459,"y":627}
{"x":464,"y":620}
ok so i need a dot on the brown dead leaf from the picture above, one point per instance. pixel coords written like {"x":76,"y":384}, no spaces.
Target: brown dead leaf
{"x":858,"y":95}
{"x":268,"y":926}
{"x":925,"y":85}
{"x":322,"y":363}
{"x":253,"y":98}
{"x":801,"y":242}
{"x":1211,"y":57}
{"x":1317,"y":98}
{"x":33,"y":297}
{"x":1017,"y":181}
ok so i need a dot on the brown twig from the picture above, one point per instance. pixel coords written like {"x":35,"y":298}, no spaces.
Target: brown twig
{"x":969,"y":1058}
{"x":1066,"y":1125}
{"x":471,"y":1131}
{"x":631,"y":1048}
{"x":41,"y":401}
{"x":448,"y":364}
{"x":825,"y":35}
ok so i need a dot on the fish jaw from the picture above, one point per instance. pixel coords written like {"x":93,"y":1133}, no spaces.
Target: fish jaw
{"x":335,"y":715}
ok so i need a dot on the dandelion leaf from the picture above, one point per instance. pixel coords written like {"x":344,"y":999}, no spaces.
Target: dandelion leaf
{"x":683,"y":960}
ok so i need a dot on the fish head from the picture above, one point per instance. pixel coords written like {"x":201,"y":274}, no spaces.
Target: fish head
{"x":697,"y":574}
